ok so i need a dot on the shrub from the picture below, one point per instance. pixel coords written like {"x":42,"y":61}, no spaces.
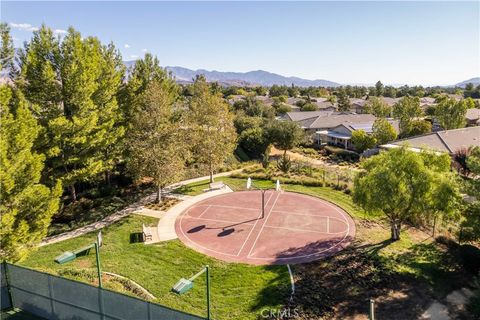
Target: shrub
{"x":470,"y":258}
{"x":344,"y":154}
{"x":240,"y":153}
{"x":284,"y":164}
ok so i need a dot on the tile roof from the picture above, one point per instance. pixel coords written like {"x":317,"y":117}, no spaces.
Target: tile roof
{"x":443,"y":141}
{"x":473,"y":114}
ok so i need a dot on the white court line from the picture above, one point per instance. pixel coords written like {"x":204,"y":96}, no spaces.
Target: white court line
{"x":318,"y":252}
{"x":248,"y":236}
{"x":263,"y":226}
{"x":204,"y":211}
{"x":305,"y":230}
{"x":300,"y":214}
{"x":232,"y":207}
{"x":222,"y":221}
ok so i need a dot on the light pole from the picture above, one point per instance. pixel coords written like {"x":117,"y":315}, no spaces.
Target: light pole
{"x":68,"y":256}
{"x":183,"y":285}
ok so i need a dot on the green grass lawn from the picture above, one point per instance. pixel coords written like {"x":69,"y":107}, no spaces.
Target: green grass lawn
{"x":238,"y":291}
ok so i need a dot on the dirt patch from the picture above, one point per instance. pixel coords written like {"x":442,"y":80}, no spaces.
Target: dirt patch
{"x":340,"y":288}
{"x":166,"y":204}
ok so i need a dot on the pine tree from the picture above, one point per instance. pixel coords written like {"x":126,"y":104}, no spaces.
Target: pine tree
{"x":211,"y":127}
{"x":343,"y":101}
{"x":156,"y":140}
{"x":142,"y":73}
{"x":7,"y":52}
{"x":74,"y":83}
{"x":26,"y":206}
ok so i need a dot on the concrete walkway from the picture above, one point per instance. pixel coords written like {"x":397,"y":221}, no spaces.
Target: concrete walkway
{"x":166,"y":225}
{"x":454,"y":304}
{"x":137,"y":206}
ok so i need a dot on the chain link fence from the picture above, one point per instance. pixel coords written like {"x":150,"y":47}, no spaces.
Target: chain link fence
{"x":53,"y":297}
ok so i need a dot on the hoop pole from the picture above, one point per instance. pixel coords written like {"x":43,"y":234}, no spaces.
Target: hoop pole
{"x":263,"y":204}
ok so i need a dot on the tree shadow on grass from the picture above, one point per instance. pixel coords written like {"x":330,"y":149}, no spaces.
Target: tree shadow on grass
{"x":340,"y":286}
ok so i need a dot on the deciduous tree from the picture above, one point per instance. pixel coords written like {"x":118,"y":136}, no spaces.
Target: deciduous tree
{"x":402,"y":184}
{"x":211,"y":127}
{"x":377,"y":107}
{"x":362,"y":141}
{"x":406,"y":110}
{"x":451,"y":114}
{"x":383,"y":131}
{"x":157,"y":140}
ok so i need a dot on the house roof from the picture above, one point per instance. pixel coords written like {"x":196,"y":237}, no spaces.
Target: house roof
{"x":302,"y":115}
{"x":367,"y":126}
{"x":442,"y":141}
{"x":334,"y":119}
{"x":472,"y":114}
{"x":327,"y":119}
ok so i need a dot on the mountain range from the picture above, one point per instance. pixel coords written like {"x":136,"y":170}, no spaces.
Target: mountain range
{"x":474,"y":81}
{"x":258,"y":77}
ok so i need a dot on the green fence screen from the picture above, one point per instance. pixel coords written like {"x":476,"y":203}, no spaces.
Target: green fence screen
{"x":53,"y":297}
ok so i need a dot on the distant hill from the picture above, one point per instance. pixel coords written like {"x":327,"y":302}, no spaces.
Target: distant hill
{"x":474,"y":81}
{"x":251,"y":78}
{"x":258,"y":77}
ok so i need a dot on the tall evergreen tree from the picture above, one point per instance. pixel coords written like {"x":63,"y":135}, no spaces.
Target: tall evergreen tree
{"x":379,"y":89}
{"x":7,"y":52}
{"x":74,"y":84}
{"x":212,"y":131}
{"x":26,"y":205}
{"x":140,"y":75}
{"x":344,"y":104}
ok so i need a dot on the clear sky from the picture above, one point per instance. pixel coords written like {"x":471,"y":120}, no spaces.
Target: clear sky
{"x":348,"y":42}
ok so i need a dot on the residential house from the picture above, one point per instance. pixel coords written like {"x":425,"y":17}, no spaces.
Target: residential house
{"x":341,"y":135}
{"x":441,"y":141}
{"x":357,"y":105}
{"x":313,"y":121}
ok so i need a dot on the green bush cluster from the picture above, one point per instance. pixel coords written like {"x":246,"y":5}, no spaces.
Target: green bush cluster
{"x":343,"y":154}
{"x":260,"y":174}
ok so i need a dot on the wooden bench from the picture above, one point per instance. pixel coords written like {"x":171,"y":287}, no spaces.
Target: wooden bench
{"x":216,"y":185}
{"x":147,"y":236}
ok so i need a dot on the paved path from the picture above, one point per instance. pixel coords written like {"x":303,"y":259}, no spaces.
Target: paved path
{"x":166,"y":225}
{"x":137,"y":206}
{"x":454,"y":304}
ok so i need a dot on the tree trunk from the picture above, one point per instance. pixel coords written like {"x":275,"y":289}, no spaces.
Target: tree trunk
{"x":73,"y":193}
{"x":159,"y":194}
{"x":211,"y":173}
{"x":434,"y":226}
{"x":395,"y":229}
{"x":107,"y":177}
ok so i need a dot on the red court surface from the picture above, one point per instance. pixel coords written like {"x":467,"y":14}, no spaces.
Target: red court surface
{"x":296,"y":228}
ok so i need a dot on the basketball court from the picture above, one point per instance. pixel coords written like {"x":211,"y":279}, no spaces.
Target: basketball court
{"x":294,"y":228}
